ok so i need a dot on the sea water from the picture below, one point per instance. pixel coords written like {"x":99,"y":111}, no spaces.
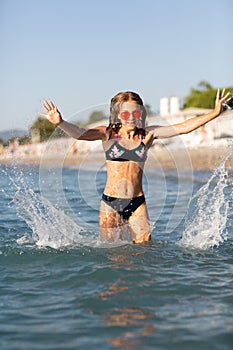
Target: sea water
{"x":62,"y":288}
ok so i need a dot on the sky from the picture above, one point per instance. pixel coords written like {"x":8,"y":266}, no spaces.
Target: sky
{"x":81,"y":53}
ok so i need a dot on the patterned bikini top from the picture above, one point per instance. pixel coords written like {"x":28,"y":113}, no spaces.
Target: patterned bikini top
{"x":119,"y":153}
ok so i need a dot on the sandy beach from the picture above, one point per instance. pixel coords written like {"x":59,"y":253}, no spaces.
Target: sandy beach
{"x":199,"y":158}
{"x":69,"y":152}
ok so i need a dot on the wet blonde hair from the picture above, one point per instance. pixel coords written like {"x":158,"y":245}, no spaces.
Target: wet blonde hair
{"x":116,"y":103}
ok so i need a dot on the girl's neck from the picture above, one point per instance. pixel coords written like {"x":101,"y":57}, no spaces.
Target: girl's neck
{"x":128,"y":134}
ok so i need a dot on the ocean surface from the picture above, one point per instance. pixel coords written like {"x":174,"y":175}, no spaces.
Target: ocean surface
{"x":62,"y":288}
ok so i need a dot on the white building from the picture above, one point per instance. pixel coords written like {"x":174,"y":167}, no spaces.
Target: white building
{"x":174,"y":105}
{"x":169,"y":105}
{"x":164,"y":106}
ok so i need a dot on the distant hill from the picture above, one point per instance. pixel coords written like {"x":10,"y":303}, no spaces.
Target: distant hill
{"x":7,"y":134}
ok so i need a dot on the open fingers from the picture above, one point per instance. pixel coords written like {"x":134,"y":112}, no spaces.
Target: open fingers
{"x":223,"y":92}
{"x":221,"y":96}
{"x":229,"y":98}
{"x":48,"y":106}
{"x":217,"y":96}
{"x":226,"y":97}
{"x":42,"y":114}
{"x":51,"y":103}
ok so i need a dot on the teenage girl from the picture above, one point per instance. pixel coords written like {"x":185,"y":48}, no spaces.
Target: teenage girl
{"x":126,"y":141}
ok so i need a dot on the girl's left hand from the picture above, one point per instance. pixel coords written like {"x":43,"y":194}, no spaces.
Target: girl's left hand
{"x":221,"y":98}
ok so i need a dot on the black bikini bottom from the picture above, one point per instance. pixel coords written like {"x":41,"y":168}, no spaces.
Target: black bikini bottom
{"x":124,"y":206}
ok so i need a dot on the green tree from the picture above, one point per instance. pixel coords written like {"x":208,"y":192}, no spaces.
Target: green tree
{"x":96,"y":116}
{"x":203,"y":96}
{"x":24,"y":140}
{"x":204,"y":85}
{"x":46,"y":129}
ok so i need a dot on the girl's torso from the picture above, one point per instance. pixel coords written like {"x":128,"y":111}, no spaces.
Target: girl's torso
{"x":125,"y":161}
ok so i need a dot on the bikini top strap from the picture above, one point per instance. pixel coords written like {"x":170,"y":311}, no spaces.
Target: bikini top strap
{"x":140,"y":137}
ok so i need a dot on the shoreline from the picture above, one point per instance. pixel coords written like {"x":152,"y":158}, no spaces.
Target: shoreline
{"x":206,"y":157}
{"x":201,"y":158}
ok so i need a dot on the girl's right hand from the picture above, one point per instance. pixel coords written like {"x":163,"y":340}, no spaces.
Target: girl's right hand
{"x":52,"y":113}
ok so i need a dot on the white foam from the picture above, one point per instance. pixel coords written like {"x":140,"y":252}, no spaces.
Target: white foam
{"x":206,"y":218}
{"x":50,"y":227}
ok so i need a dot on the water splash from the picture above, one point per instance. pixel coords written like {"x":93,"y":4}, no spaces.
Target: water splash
{"x":50,"y":227}
{"x":206,"y":218}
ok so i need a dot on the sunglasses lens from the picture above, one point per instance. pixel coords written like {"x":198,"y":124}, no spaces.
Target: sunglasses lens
{"x":125,"y":115}
{"x":137,"y":114}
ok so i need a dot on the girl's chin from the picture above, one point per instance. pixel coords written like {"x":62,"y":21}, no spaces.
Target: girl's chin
{"x":130,"y":126}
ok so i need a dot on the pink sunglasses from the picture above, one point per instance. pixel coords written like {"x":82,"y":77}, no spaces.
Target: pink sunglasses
{"x":126,"y":114}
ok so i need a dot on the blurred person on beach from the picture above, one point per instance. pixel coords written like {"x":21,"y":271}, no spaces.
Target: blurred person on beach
{"x":1,"y":147}
{"x":126,"y":141}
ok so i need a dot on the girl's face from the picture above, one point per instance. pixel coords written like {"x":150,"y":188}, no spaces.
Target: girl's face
{"x":130,"y":114}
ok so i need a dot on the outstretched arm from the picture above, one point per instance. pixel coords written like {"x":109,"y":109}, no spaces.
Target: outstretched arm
{"x":193,"y":123}
{"x":54,"y":116}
